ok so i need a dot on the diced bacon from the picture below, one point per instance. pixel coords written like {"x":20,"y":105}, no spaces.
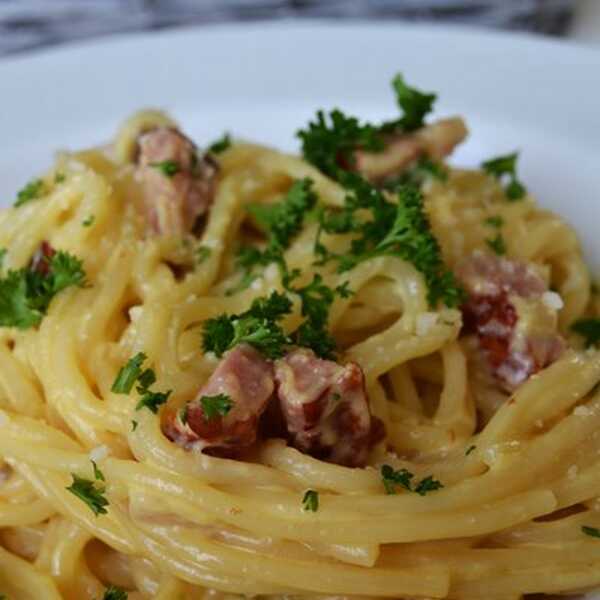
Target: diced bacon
{"x":173,"y":202}
{"x":41,"y":259}
{"x":325,"y":408}
{"x":507,"y":309}
{"x":434,"y":141}
{"x":247,"y":378}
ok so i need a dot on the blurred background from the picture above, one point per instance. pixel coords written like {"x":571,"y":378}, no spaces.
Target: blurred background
{"x":33,"y":24}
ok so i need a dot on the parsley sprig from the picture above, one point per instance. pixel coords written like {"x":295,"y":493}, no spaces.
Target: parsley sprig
{"x":393,"y":478}
{"x":280,"y":222}
{"x":130,"y":374}
{"x":330,"y":141}
{"x":25,"y":294}
{"x":398,"y":228}
{"x":220,"y":145}
{"x":505,"y":168}
{"x":258,"y":326}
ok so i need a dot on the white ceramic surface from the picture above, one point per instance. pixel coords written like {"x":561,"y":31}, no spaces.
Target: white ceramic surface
{"x":264,"y":81}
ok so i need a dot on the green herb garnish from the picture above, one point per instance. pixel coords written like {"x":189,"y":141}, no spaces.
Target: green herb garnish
{"x":25,"y":294}
{"x":98,"y":474}
{"x":32,"y":191}
{"x":310,"y":501}
{"x":505,"y":167}
{"x":591,"y":531}
{"x":213,"y":406}
{"x":88,"y":221}
{"x":114,"y":593}
{"x":497,"y":244}
{"x":392,"y":478}
{"x":128,"y":374}
{"x":169,"y":168}
{"x":220,"y":145}
{"x":589,"y":329}
{"x":90,"y":493}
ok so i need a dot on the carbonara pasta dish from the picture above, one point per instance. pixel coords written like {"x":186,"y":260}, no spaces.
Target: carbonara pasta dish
{"x":227,"y":372}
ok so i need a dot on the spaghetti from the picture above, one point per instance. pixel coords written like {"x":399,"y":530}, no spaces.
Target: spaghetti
{"x":484,"y":478}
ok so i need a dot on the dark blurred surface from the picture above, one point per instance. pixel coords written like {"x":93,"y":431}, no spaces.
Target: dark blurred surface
{"x":31,"y":24}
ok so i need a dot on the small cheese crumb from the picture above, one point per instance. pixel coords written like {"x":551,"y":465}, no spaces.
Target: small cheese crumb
{"x":582,"y":411}
{"x":572,"y":472}
{"x":425,"y":322}
{"x":552,"y":300}
{"x":99,"y":453}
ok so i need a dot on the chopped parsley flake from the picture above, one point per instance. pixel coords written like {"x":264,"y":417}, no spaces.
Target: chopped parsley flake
{"x":128,"y":374}
{"x":589,"y":329}
{"x":88,"y":221}
{"x":497,"y":244}
{"x":220,"y":145}
{"x":470,"y":449}
{"x":132,"y":373}
{"x":591,"y":531}
{"x":98,"y":474}
{"x":213,"y":406}
{"x":310,"y":501}
{"x":495,"y":221}
{"x":60,"y":178}
{"x":90,"y":493}
{"x":25,"y":294}
{"x":392,"y":478}
{"x":134,"y":425}
{"x":505,"y":167}
{"x":114,"y":593}
{"x":201,"y":254}
{"x":32,"y":191}
{"x":169,"y":168}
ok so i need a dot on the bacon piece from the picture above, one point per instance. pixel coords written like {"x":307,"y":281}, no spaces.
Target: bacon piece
{"x":401,"y":150}
{"x":516,"y":329}
{"x":247,"y":378}
{"x":326,"y":409}
{"x":174,"y":201}
{"x":41,"y":259}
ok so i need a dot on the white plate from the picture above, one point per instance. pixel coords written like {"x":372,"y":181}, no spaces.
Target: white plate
{"x":264,"y":81}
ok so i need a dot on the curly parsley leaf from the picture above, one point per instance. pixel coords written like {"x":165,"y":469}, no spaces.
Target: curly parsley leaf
{"x":215,"y":406}
{"x":91,"y":493}
{"x":415,"y":106}
{"x":497,"y":244}
{"x":280,"y":222}
{"x":495,"y":221}
{"x":25,"y":294}
{"x":393,"y":478}
{"x":397,"y":229}
{"x":169,"y":168}
{"x":258,"y":326}
{"x":32,"y":191}
{"x":114,"y":593}
{"x":220,"y":145}
{"x":329,"y":142}
{"x":128,"y":374}
{"x":505,"y":168}
{"x":589,"y":329}
{"x":310,"y":501}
